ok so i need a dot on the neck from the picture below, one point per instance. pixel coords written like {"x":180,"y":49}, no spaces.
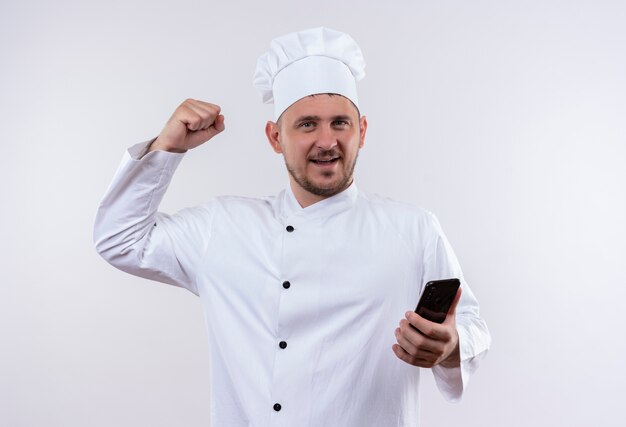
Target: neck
{"x":306,"y":198}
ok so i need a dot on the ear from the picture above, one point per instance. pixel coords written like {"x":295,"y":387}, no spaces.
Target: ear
{"x":363,"y":130}
{"x":272,"y":131}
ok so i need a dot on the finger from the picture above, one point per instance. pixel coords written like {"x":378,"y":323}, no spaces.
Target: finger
{"x":219,"y":124}
{"x":406,"y":357}
{"x":188,"y":117}
{"x":204,"y":105}
{"x":203,"y":135}
{"x":415,"y":343}
{"x":201,"y":105}
{"x":430,"y":329}
{"x":451,"y":316}
{"x":402,"y":354}
{"x":405,"y":343}
{"x":457,"y":298}
{"x":207,"y":112}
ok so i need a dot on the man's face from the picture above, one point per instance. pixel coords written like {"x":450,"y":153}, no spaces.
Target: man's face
{"x":319,"y":137}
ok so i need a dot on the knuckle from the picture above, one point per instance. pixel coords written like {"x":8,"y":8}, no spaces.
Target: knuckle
{"x":421,"y":363}
{"x":207,"y":115}
{"x":438,"y":350}
{"x":183,"y":110}
{"x":428,"y":329}
{"x":429,"y":362}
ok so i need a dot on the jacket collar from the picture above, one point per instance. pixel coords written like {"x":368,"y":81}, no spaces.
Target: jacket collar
{"x":289,"y":206}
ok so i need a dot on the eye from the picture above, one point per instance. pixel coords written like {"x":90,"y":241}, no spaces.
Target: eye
{"x":341,"y":123}
{"x":306,"y":125}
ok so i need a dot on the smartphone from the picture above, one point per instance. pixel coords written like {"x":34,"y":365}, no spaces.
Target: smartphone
{"x":437,"y":299}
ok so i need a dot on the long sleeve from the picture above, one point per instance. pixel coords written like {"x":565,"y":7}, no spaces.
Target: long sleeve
{"x":131,"y":235}
{"x":474,"y":338}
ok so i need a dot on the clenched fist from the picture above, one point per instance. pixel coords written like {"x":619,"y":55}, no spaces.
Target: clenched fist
{"x":193,"y":123}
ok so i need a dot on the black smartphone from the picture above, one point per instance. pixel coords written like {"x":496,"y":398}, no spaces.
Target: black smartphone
{"x":437,"y":299}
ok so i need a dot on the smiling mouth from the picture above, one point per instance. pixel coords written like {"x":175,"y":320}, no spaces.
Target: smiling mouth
{"x":325,"y":161}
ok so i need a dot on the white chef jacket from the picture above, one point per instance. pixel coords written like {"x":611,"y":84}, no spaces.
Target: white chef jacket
{"x":301,"y":304}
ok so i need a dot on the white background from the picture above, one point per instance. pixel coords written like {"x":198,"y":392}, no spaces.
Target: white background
{"x":505,"y":118}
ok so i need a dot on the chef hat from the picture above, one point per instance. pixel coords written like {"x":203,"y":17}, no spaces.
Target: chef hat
{"x":319,"y":60}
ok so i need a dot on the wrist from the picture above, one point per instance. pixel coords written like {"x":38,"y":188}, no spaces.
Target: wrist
{"x":162,"y":145}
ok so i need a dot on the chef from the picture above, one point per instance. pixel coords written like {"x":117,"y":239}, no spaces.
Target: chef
{"x":308,"y":294}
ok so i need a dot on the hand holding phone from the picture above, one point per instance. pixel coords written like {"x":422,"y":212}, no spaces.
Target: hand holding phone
{"x":416,"y":336}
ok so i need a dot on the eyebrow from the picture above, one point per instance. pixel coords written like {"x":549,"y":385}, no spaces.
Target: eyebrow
{"x":318,"y":118}
{"x":342,"y":117}
{"x":308,"y":119}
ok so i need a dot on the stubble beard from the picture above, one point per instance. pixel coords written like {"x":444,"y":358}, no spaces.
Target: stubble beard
{"x":328,"y":191}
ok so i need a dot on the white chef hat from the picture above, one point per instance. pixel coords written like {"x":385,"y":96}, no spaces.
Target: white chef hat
{"x":318,"y":60}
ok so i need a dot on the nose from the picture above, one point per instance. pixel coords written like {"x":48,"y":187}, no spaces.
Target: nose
{"x":326,"y":138}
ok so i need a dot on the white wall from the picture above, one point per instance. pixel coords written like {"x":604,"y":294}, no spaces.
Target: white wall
{"x":505,"y":118}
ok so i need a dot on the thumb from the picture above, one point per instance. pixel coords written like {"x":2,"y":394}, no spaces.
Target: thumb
{"x":201,"y":136}
{"x":217,"y":126}
{"x":452,"y":311}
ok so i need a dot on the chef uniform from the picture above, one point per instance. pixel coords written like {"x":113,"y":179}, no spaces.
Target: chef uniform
{"x":301,"y":304}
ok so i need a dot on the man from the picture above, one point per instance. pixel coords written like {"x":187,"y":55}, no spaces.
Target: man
{"x":308,"y":295}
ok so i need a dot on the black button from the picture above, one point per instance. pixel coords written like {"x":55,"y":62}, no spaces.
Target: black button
{"x":277,"y":407}
{"x":282,"y":344}
{"x":286,"y":284}
{"x":290,"y":228}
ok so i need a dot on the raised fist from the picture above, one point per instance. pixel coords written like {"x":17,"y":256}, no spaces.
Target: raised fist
{"x":192,"y":124}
